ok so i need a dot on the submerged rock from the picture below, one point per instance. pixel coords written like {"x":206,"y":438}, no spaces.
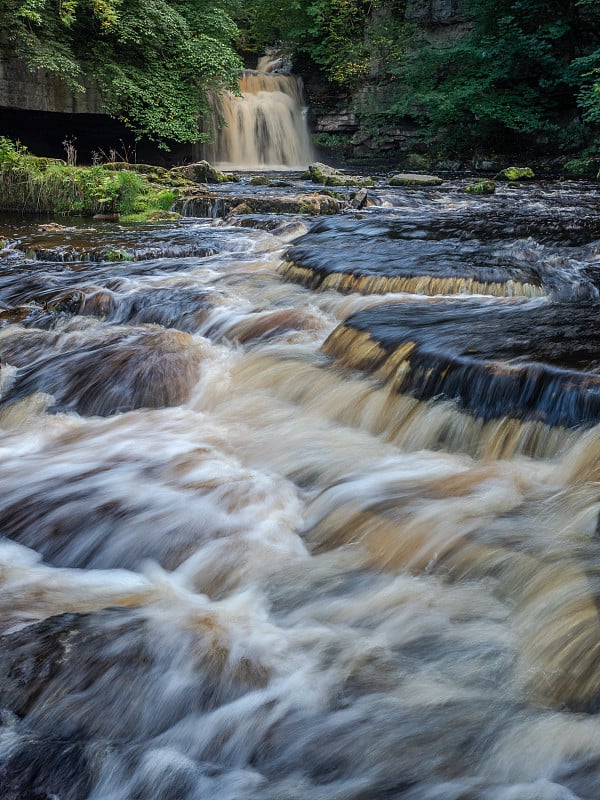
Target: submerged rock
{"x":116,"y":371}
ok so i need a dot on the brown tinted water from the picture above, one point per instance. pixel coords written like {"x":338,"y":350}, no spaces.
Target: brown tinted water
{"x":265,"y":541}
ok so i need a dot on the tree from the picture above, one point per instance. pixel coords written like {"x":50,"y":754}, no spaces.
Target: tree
{"x":156,"y":62}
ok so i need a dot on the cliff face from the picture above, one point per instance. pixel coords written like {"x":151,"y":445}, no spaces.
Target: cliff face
{"x":431,"y":13}
{"x":42,"y":91}
{"x":437,"y":22}
{"x":41,"y":112}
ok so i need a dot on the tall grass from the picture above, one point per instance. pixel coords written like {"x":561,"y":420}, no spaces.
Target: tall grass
{"x":43,"y":185}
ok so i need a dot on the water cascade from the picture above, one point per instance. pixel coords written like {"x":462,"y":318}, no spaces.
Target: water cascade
{"x":263,"y":538}
{"x":264,"y":128}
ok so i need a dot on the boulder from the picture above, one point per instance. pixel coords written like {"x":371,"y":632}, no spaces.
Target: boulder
{"x":414,"y":179}
{"x":515,"y":174}
{"x":481,"y":187}
{"x":202,"y":172}
{"x":360,"y":199}
{"x":330,"y":176}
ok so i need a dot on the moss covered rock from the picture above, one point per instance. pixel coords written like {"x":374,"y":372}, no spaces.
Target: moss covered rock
{"x":515,"y":174}
{"x":330,"y":176}
{"x":414,"y":179}
{"x":481,"y":187}
{"x":203,"y":172}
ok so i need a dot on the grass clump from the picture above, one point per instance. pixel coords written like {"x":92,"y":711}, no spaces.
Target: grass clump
{"x":45,"y":185}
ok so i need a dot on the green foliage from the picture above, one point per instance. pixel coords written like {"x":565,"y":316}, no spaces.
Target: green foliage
{"x":582,"y":167}
{"x":343,"y":37}
{"x":513,"y":79}
{"x":49,"y":185}
{"x":332,"y":142}
{"x":155,"y":62}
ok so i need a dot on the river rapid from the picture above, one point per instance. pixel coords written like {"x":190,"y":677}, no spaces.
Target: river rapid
{"x":276,"y":527}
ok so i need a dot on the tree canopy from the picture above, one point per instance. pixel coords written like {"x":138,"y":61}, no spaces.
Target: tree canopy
{"x":522,"y":70}
{"x":155,"y":61}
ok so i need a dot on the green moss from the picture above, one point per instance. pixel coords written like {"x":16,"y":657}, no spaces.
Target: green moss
{"x":481,"y":187}
{"x":342,"y":180}
{"x":331,"y":193}
{"x":582,"y":167}
{"x":515,"y":174}
{"x":259,"y":180}
{"x":117,"y":255}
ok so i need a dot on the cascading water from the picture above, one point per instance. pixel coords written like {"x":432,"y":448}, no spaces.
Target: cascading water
{"x":265,"y":537}
{"x":264,"y":128}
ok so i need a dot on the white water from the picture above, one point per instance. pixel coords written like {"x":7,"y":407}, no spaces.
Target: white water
{"x":263,"y":128}
{"x":308,"y":597}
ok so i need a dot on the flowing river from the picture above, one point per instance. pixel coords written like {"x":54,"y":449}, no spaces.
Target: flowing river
{"x":304,"y":508}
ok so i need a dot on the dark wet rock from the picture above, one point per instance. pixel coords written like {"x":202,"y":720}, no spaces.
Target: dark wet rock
{"x":232,"y":205}
{"x":528,"y":362}
{"x":114,"y":371}
{"x":181,"y":307}
{"x":10,"y":316}
{"x":414,"y":179}
{"x":161,"y":238}
{"x":44,"y":768}
{"x":360,"y":199}
{"x":268,"y":222}
{"x":76,"y":688}
{"x":364,"y":256}
{"x":270,"y":324}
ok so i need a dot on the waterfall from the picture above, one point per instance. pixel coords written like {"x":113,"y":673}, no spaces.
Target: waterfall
{"x":266,"y":126}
